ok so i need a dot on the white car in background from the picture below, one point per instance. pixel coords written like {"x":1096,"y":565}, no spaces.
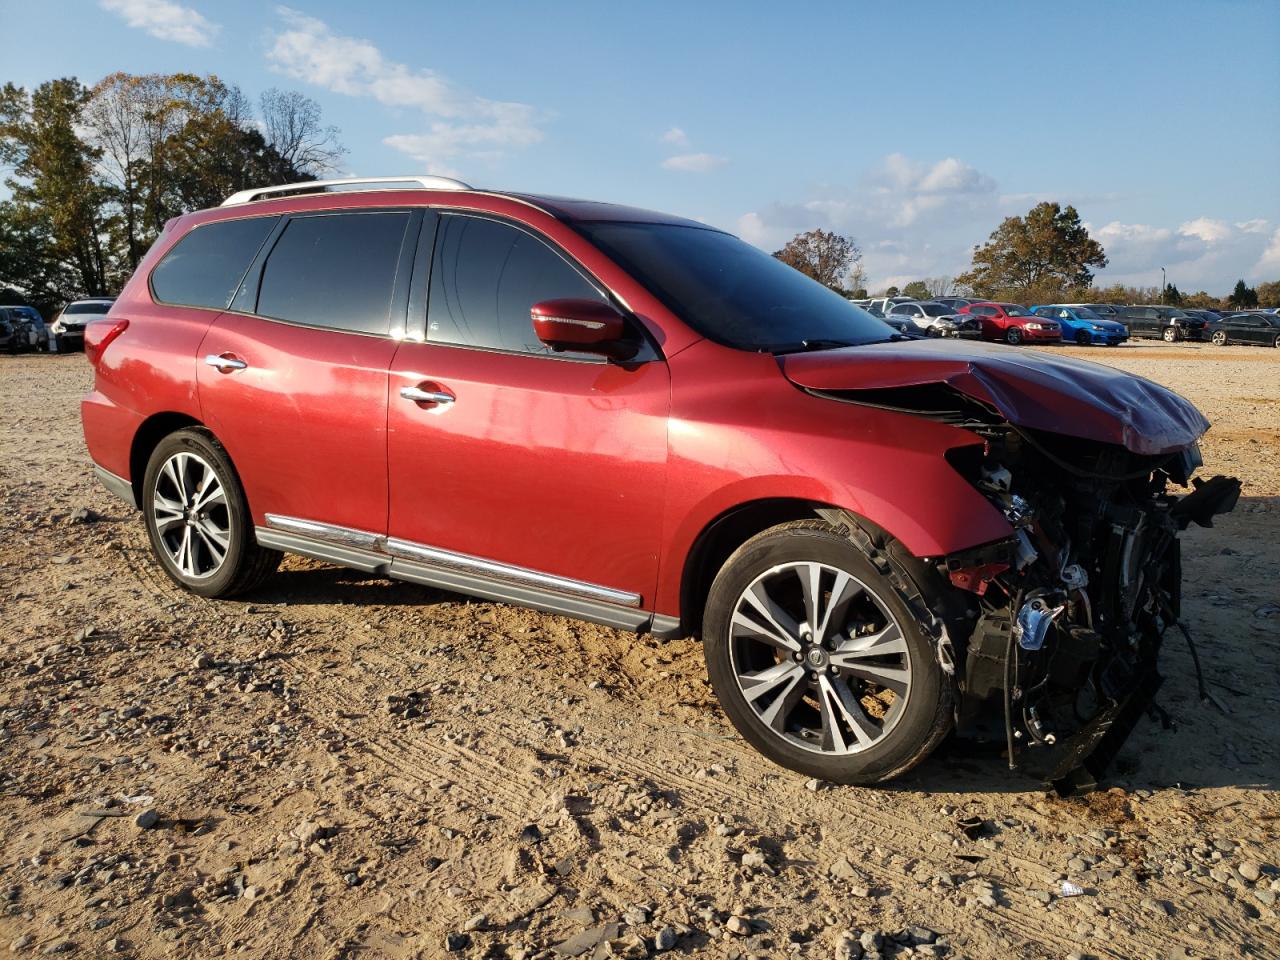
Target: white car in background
{"x":936,"y":320}
{"x":70,"y":323}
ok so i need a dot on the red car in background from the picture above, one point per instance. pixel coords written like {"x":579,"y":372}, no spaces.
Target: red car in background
{"x":1012,"y":323}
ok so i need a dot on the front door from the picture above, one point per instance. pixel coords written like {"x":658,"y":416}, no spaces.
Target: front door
{"x":294,"y":384}
{"x":533,"y":467}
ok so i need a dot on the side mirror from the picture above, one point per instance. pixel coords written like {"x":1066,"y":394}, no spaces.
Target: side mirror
{"x":583,"y":326}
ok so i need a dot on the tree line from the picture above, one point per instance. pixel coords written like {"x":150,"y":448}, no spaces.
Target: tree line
{"x":1045,"y":256}
{"x":95,"y":172}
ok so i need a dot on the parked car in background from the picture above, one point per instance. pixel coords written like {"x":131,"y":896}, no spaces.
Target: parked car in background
{"x":70,"y":322}
{"x":1081,"y":325}
{"x":8,"y":340}
{"x":1107,"y":311}
{"x":880,"y":306}
{"x":932,"y":319}
{"x":1208,"y":316}
{"x":1012,"y":323}
{"x":29,"y":330}
{"x":1164,"y":323}
{"x":1262,"y":329}
{"x":642,"y":421}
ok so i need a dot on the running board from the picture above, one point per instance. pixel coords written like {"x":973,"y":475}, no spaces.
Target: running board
{"x":460,"y":573}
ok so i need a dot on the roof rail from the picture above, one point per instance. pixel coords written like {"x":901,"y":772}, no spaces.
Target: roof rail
{"x":358,"y":183}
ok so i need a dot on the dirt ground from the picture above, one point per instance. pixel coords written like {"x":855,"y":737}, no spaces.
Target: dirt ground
{"x":341,"y":766}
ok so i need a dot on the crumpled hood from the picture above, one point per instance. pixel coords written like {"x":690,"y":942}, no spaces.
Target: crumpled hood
{"x":1028,"y":388}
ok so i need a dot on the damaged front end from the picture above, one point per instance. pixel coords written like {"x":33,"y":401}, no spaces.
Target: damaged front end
{"x":1072,"y":609}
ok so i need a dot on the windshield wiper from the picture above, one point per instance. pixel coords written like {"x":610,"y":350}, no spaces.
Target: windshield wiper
{"x":806,"y":346}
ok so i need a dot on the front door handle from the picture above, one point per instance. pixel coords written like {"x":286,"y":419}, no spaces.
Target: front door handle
{"x":225,"y":363}
{"x":418,"y":395}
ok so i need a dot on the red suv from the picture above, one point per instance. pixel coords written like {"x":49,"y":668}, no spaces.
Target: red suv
{"x":1011,"y":323}
{"x":642,"y":421}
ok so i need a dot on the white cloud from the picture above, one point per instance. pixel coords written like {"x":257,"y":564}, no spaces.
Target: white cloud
{"x":1200,"y":254}
{"x":675,"y":136}
{"x":165,"y":20}
{"x":459,"y":124}
{"x":1268,"y":265}
{"x":694,"y":162}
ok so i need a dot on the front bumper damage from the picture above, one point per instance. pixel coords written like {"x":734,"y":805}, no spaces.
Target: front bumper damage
{"x":1073,"y":609}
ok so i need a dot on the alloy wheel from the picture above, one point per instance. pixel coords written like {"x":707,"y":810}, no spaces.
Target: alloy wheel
{"x":1170,"y":335}
{"x":1219,"y":339}
{"x":819,"y":658}
{"x":189,"y":508}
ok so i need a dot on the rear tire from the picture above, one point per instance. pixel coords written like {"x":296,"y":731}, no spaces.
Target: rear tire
{"x":1170,"y":334}
{"x":1219,"y":338}
{"x":859,"y":699}
{"x":198,"y":520}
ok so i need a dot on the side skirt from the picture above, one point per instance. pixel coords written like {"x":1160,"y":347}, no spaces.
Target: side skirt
{"x":448,"y":577}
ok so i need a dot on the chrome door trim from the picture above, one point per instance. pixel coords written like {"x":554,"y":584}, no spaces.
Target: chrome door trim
{"x":465,"y":563}
{"x":325,"y":531}
{"x":448,"y":560}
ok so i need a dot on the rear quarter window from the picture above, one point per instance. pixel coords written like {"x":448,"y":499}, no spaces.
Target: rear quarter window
{"x":206,"y":266}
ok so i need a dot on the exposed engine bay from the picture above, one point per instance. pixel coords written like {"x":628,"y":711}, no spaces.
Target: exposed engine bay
{"x":1072,"y":610}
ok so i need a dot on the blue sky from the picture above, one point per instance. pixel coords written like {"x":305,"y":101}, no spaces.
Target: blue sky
{"x":915,"y":127}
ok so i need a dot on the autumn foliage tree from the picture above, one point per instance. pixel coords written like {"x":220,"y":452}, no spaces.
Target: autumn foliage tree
{"x":829,"y":258}
{"x":1035,"y":258}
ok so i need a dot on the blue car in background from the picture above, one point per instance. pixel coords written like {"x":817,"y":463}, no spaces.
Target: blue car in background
{"x":1081,"y":325}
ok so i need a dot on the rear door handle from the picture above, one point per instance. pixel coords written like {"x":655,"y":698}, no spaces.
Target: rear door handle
{"x":418,"y":395}
{"x":225,"y":363}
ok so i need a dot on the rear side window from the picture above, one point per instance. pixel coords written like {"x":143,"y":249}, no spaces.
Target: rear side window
{"x":206,"y":266}
{"x":336,"y":270}
{"x":485,"y":278}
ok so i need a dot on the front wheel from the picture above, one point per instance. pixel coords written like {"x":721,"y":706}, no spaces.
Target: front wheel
{"x":817,"y":660}
{"x":1170,"y":334}
{"x":198,"y":520}
{"x":1013,"y":336}
{"x":1219,"y":338}
{"x":1083,"y":338}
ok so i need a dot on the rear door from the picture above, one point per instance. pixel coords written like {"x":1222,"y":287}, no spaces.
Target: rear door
{"x":293,"y":380}
{"x":543,"y":471}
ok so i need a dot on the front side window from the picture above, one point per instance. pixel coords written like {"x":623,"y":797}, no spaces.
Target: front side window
{"x":206,"y":266}
{"x":334,"y":270}
{"x":485,"y":278}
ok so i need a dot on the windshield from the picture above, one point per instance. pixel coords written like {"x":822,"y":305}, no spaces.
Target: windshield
{"x":96,"y":307}
{"x":28,"y":312}
{"x":936,"y":310}
{"x":1084,"y":313}
{"x":1104,"y":310}
{"x":1013,"y":310}
{"x":730,"y":291}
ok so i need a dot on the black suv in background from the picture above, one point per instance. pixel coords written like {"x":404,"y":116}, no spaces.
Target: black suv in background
{"x":1167,"y":323}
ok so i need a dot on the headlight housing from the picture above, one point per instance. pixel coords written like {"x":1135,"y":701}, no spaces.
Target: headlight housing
{"x":1034,"y":326}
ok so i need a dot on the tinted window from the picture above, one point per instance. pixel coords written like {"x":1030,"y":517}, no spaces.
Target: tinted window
{"x":206,"y":266}
{"x":336,"y":270}
{"x":485,"y":278}
{"x":935,"y":310}
{"x":97,"y":306}
{"x":730,"y":291}
{"x":902,"y":308}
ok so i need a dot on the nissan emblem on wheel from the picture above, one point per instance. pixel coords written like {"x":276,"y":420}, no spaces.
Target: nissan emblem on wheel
{"x":645,"y":422}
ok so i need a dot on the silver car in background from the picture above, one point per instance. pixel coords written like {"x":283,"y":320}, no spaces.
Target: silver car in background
{"x":70,"y":323}
{"x":933,"y":319}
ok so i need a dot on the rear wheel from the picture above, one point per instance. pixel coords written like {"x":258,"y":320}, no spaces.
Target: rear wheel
{"x":1170,"y":334}
{"x":1013,"y":335}
{"x":1219,"y":338}
{"x":818,"y":661}
{"x":198,"y":520}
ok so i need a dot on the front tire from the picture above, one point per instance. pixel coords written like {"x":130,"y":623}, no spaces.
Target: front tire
{"x":198,"y":520}
{"x":818,"y":661}
{"x":1083,"y":338}
{"x":1013,"y":336}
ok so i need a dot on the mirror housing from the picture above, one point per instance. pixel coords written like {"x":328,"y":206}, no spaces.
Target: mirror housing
{"x":582,"y":326}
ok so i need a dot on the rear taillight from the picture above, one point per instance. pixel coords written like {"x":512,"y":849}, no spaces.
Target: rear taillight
{"x":98,"y":335}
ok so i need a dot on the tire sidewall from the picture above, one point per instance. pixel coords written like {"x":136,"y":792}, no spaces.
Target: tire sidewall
{"x":1219,"y":339}
{"x":1170,"y":335}
{"x":209,"y":450}
{"x":1013,"y":336}
{"x":915,"y":729}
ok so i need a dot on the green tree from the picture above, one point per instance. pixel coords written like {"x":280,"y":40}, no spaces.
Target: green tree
{"x":823,"y":255}
{"x":55,"y":238}
{"x":1037,"y":258}
{"x":1171,"y":295}
{"x":1269,"y":294}
{"x":1243,"y":297}
{"x":891,"y":292}
{"x":917,"y":289}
